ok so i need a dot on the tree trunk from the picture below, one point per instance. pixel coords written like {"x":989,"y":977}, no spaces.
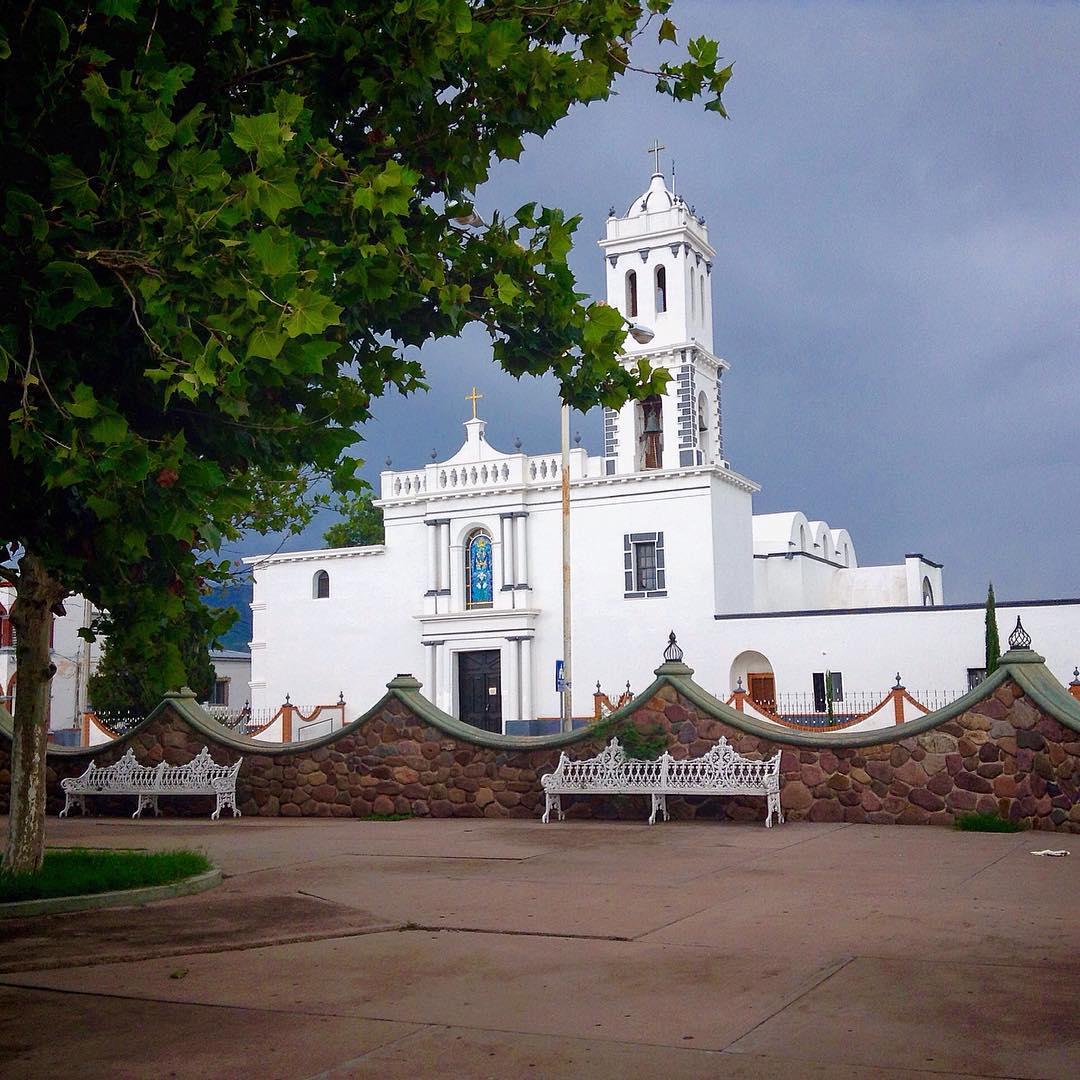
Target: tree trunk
{"x":37,"y":593}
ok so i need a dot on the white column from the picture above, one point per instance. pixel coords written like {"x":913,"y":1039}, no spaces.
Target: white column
{"x":511,"y":698}
{"x":506,"y":534}
{"x":433,"y":558}
{"x":444,"y":555}
{"x":430,"y":681}
{"x":527,"y":712}
{"x":521,"y":554}
{"x":444,"y":677}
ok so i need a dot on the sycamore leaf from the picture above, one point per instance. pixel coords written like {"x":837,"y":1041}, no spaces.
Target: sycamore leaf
{"x":667,"y":31}
{"x":507,"y":290}
{"x":265,"y":134}
{"x":266,"y":343}
{"x":277,"y":191}
{"x":70,"y":184}
{"x":109,"y":429}
{"x":84,"y":405}
{"x":275,"y":254}
{"x":310,"y":313}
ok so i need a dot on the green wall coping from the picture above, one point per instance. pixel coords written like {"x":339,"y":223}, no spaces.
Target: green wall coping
{"x":1023,"y":666}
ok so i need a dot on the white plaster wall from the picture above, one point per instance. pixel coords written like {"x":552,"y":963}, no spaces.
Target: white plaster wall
{"x":932,"y":648}
{"x":354,"y":641}
{"x":238,"y":672}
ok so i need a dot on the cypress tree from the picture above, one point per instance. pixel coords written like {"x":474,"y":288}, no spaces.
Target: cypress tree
{"x":993,"y":644}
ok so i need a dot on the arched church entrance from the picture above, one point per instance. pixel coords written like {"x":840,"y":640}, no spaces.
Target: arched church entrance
{"x":756,"y":673}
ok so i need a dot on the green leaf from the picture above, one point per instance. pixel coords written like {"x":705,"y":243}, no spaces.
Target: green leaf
{"x":277,"y":191}
{"x":266,"y":343}
{"x":159,"y":129}
{"x":70,"y":184}
{"x":265,"y":134}
{"x":667,"y":31}
{"x":508,"y":291}
{"x":274,"y":251}
{"x":83,"y":405}
{"x":120,"y":9}
{"x":310,"y":312}
{"x":109,"y":429}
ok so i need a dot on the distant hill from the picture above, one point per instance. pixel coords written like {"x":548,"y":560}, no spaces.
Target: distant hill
{"x":237,"y":597}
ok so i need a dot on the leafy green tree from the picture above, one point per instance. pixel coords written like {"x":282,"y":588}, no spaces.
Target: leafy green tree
{"x":223,"y":222}
{"x":993,"y":642}
{"x":129,"y":677}
{"x":361,"y":524}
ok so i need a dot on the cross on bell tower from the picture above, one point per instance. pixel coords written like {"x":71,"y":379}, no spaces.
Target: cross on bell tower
{"x":655,"y":151}
{"x":474,"y":397}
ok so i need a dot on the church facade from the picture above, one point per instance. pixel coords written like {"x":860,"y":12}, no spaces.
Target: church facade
{"x":466,"y":591}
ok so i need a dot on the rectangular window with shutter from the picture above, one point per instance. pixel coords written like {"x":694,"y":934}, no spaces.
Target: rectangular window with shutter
{"x":644,"y":568}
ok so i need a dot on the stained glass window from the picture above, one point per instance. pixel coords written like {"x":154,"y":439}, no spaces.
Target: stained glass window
{"x":478,"y":588}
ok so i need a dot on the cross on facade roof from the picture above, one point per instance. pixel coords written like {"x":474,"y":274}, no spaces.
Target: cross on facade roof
{"x":474,"y":397}
{"x":655,"y":151}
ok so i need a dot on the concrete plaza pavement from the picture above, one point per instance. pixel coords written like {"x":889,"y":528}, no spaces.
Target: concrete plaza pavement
{"x":485,"y":948}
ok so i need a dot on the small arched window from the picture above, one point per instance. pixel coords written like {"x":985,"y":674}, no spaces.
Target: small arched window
{"x":320,"y":585}
{"x":701,"y":284}
{"x":693,"y":302}
{"x":661,"y":289}
{"x":927,"y":593}
{"x":631,"y":294}
{"x":703,"y":427}
{"x":478,"y":577}
{"x":802,"y":537}
{"x":6,"y":633}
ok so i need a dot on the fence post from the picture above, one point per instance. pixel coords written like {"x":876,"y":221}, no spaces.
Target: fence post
{"x":740,"y":695}
{"x":897,"y":695}
{"x":1074,"y":686}
{"x":286,"y":720}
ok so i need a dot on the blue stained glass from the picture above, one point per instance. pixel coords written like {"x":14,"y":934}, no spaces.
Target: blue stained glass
{"x":479,"y":569}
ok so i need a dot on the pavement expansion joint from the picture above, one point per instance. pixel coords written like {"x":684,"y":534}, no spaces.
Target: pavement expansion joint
{"x":511,"y":933}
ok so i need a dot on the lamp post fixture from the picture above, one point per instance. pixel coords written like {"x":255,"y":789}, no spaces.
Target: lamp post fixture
{"x":642,"y":335}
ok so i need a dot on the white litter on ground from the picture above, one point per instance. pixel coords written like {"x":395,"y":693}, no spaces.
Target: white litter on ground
{"x":1051,"y":853}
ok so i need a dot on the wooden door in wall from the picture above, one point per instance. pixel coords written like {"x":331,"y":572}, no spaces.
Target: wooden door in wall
{"x":480,"y":689}
{"x":762,"y":687}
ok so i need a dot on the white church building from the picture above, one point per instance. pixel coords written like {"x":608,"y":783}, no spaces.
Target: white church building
{"x":466,"y":591}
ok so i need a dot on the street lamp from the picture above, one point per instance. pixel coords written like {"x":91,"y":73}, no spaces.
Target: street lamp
{"x":642,"y":335}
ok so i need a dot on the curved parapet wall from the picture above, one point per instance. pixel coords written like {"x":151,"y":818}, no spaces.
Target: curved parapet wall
{"x":1011,"y":746}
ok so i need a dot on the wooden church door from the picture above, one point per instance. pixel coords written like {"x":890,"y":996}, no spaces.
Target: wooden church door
{"x":480,"y":689}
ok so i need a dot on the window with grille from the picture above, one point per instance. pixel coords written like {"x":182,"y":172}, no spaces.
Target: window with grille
{"x":644,"y":569}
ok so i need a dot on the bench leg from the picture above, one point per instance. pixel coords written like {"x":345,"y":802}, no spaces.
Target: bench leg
{"x":154,"y":806}
{"x":663,"y":806}
{"x":67,"y":805}
{"x":144,"y":802}
{"x":226,"y":800}
{"x":552,"y":802}
{"x":655,"y":806}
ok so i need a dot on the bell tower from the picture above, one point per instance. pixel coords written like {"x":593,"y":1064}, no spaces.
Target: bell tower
{"x":659,"y":267}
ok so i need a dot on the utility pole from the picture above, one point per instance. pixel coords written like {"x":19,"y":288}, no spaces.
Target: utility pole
{"x":567,"y":702}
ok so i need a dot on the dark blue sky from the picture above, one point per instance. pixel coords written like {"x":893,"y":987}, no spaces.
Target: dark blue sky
{"x":896,"y":208}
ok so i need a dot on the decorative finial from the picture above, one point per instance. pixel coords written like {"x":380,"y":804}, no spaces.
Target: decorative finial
{"x":474,"y":397}
{"x":738,"y":686}
{"x":286,"y":699}
{"x":517,"y":443}
{"x":434,"y":453}
{"x":577,"y":438}
{"x":655,"y":151}
{"x":1076,"y":677}
{"x":611,"y":211}
{"x":341,"y":697}
{"x":897,"y":686}
{"x":388,"y":462}
{"x":628,"y":690}
{"x":673,"y":654}
{"x":1019,"y":638}
{"x":598,"y":686}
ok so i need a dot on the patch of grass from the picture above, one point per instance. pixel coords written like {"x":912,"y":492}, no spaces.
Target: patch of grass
{"x":987,"y":822}
{"x":80,"y":871}
{"x":385,"y":817}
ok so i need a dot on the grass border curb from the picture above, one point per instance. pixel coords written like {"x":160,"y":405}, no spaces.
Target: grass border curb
{"x":56,"y":905}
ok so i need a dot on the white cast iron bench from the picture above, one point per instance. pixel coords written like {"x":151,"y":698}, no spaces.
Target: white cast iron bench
{"x":719,"y":772}
{"x":200,"y":776}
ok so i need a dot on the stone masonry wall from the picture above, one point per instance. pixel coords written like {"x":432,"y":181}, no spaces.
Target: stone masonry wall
{"x":1003,"y":755}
